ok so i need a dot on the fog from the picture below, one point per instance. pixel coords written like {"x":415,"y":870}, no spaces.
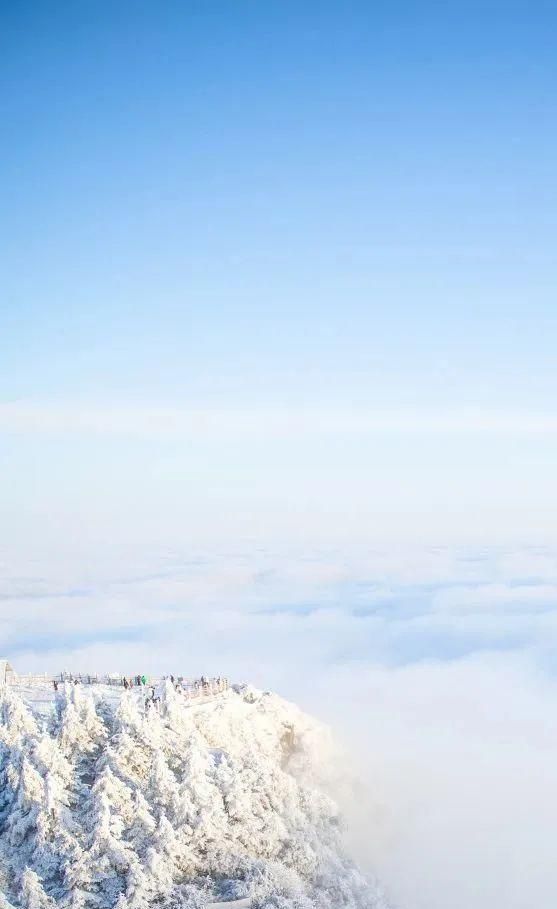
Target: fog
{"x":458,"y":770}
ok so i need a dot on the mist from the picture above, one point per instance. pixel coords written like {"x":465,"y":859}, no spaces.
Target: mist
{"x":457,"y":779}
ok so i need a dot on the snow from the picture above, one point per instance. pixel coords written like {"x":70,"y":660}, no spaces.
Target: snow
{"x":109,"y":799}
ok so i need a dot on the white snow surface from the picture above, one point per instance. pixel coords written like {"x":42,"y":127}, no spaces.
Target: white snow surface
{"x":106,"y":803}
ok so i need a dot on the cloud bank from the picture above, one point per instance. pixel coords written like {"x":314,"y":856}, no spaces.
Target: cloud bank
{"x":437,"y":667}
{"x":26,"y":416}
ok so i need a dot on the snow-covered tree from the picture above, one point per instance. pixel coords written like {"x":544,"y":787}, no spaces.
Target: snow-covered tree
{"x":33,"y":895}
{"x":176,"y":805}
{"x":16,"y":717}
{"x":81,"y":730}
{"x":29,"y":802}
{"x":163,"y":788}
{"x":5,"y":903}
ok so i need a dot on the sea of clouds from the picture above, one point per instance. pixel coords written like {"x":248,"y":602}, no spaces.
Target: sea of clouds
{"x":435,"y":665}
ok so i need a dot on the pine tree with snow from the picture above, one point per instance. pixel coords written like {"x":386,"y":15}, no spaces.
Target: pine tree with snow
{"x":33,"y":895}
{"x":177,"y":807}
{"x":28,"y":803}
{"x":81,"y":730}
{"x":16,"y":717}
{"x":5,"y":903}
{"x":162,"y":787}
{"x":56,"y":839}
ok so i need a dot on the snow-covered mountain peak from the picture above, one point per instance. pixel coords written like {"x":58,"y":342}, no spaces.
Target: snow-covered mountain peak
{"x":131,"y":803}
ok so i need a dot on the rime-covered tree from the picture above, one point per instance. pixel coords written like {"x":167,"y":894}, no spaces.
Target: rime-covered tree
{"x":4,"y":902}
{"x":175,"y":806}
{"x":33,"y":895}
{"x":81,"y":730}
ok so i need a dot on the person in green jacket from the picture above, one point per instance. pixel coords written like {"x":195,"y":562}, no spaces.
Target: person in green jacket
{"x":143,"y":679}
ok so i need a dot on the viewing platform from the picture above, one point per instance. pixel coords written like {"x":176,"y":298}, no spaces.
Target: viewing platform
{"x":189,"y":687}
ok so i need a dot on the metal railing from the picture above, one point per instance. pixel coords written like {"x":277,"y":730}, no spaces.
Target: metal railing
{"x":188,"y":686}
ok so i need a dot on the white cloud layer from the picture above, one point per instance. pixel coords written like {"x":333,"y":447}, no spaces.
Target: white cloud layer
{"x":128,"y":419}
{"x":459,"y":760}
{"x":438,"y":667}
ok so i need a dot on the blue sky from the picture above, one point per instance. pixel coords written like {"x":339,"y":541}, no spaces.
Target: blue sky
{"x":261,"y":209}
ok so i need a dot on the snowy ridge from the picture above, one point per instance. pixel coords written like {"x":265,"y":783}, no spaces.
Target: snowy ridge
{"x":104,"y":804}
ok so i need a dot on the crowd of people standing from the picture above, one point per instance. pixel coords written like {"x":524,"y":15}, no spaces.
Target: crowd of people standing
{"x":187,"y":687}
{"x":134,"y":680}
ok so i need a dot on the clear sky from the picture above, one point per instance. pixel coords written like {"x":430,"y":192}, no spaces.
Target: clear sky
{"x":326,"y":228}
